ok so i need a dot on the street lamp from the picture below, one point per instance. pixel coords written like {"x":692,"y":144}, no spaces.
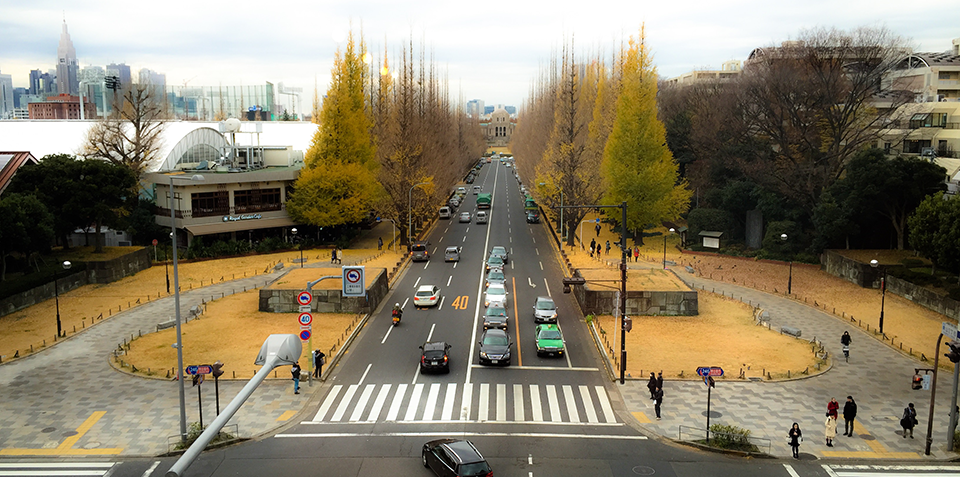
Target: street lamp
{"x":790,"y":276}
{"x":672,"y":230}
{"x":56,"y":293}
{"x":883,"y":290}
{"x":300,"y":244}
{"x":410,"y":211}
{"x":176,"y":304}
{"x":563,"y":238}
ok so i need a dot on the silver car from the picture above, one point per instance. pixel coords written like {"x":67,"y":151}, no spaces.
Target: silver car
{"x":500,"y":251}
{"x":545,"y":310}
{"x":496,"y":277}
{"x":451,"y":254}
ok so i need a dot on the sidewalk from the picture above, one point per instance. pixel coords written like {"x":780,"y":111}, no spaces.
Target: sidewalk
{"x":877,"y":377}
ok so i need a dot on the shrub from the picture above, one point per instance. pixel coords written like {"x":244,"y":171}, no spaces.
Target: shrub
{"x":731,"y":437}
{"x":710,"y":219}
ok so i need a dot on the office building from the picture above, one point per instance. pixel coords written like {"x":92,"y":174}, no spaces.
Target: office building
{"x":62,"y":106}
{"x":475,"y":108}
{"x":68,"y":70}
{"x":121,"y":71}
{"x":6,"y":97}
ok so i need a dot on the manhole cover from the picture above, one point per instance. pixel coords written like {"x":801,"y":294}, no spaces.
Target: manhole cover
{"x":643,"y":470}
{"x":47,"y":430}
{"x":867,"y":437}
{"x":712,"y":414}
{"x":69,"y":433}
{"x":91,"y":445}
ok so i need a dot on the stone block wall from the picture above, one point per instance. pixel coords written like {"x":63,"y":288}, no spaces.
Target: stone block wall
{"x":327,"y":301}
{"x":941,"y":304}
{"x":672,"y":303}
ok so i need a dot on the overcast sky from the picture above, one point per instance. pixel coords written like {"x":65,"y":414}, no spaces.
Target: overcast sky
{"x":489,"y":50}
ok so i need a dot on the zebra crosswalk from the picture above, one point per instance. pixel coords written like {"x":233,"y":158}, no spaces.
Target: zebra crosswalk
{"x":470,"y":402}
{"x":55,"y":469}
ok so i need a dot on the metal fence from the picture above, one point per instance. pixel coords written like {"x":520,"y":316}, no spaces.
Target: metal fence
{"x":723,"y":440}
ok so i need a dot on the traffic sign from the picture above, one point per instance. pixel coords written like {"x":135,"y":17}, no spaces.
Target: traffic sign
{"x":304,"y":298}
{"x":949,"y":330}
{"x":305,"y":309}
{"x":705,"y":371}
{"x":305,"y":319}
{"x":154,"y":242}
{"x":202,"y":369}
{"x":353,"y":282}
{"x":305,"y":335}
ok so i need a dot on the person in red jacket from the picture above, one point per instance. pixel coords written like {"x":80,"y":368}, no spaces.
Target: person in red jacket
{"x":833,"y":408}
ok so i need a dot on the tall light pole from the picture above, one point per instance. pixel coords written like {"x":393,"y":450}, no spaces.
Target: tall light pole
{"x":410,"y":211}
{"x":665,"y":248}
{"x":790,"y":276}
{"x":56,"y":293}
{"x":883,"y":290}
{"x":176,"y":304}
{"x":294,"y":232}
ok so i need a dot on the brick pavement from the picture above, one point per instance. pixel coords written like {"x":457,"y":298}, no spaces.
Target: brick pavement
{"x":877,"y":376}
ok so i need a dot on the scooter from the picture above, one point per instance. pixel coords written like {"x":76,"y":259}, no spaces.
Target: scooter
{"x":846,"y":353}
{"x":396,"y":317}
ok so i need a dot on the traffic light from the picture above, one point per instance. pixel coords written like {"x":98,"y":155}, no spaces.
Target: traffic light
{"x":627,"y":323}
{"x":954,"y":354}
{"x":568,"y":282}
{"x":217,"y":372}
{"x":112,"y":82}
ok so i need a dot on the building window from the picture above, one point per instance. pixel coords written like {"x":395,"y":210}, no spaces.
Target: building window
{"x":886,"y":147}
{"x":205,"y":204}
{"x":928,"y":120}
{"x":256,"y":200}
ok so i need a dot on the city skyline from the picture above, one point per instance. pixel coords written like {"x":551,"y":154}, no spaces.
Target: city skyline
{"x":493,"y":59}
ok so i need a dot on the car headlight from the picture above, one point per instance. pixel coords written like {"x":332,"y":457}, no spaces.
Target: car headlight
{"x":506,"y":355}
{"x":483,"y":355}
{"x":554,"y":315}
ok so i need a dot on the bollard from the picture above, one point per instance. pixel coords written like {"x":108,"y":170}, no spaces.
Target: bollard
{"x":74,"y":328}
{"x":234,"y":375}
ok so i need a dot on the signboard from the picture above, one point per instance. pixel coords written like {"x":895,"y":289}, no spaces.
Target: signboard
{"x":353,"y":281}
{"x":304,"y":298}
{"x":154,"y":242}
{"x":203,"y":369}
{"x":949,"y":330}
{"x":305,"y":335}
{"x":927,"y":378}
{"x":705,"y":371}
{"x":305,"y":319}
{"x":304,"y":309}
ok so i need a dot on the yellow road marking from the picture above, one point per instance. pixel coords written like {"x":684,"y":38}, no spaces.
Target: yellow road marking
{"x":286,"y":415}
{"x":66,"y":447}
{"x":877,"y":450}
{"x":641,"y":417}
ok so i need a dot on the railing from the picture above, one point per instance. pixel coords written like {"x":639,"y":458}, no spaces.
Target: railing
{"x":724,"y":440}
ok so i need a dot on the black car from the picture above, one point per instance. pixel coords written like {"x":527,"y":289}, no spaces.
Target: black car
{"x":433,"y":356}
{"x":495,"y":347}
{"x":454,"y":458}
{"x":533,"y":218}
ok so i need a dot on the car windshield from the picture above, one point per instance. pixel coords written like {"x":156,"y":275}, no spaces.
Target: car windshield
{"x":549,"y":335}
{"x":498,"y":251}
{"x":495,"y":340}
{"x":496,"y":291}
{"x":433,"y":354}
{"x":476,"y":468}
{"x":495,"y":261}
{"x":495,"y":275}
{"x":452,"y":250}
{"x":496,"y":311}
{"x":545,"y":305}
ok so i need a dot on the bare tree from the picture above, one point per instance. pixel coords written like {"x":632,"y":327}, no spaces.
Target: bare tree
{"x":130,"y":136}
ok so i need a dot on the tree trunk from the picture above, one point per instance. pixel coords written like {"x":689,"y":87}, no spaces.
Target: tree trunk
{"x":98,"y":239}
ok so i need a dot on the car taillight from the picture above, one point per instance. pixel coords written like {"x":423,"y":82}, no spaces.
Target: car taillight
{"x":444,"y":358}
{"x":423,"y":359}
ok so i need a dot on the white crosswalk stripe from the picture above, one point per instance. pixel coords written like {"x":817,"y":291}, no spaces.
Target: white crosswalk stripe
{"x":894,"y":470}
{"x":452,"y":402}
{"x":55,"y":469}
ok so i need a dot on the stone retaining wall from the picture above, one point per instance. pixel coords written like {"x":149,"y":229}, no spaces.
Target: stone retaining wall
{"x":327,"y":301}
{"x":602,"y":302}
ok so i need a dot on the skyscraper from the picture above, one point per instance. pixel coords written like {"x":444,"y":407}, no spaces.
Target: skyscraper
{"x":67,"y":68}
{"x":35,"y":87}
{"x":6,"y":97}
{"x":121,"y":71}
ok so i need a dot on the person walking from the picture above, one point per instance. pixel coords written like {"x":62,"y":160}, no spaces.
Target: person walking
{"x":339,"y":256}
{"x":379,"y":243}
{"x":909,"y":420}
{"x":660,"y":380}
{"x":652,"y":386}
{"x":657,"y":401}
{"x":636,"y":253}
{"x":608,"y":247}
{"x":598,"y":229}
{"x":593,"y":246}
{"x":849,"y":414}
{"x":333,"y":255}
{"x":830,"y":430}
{"x":845,"y":339}
{"x":795,"y":437}
{"x":599,"y":247}
{"x":295,"y":371}
{"x":318,"y":362}
{"x":833,"y":408}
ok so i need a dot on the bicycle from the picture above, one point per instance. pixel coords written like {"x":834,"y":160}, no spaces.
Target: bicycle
{"x":846,"y":353}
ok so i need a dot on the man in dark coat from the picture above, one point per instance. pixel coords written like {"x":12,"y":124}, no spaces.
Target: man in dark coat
{"x":658,"y":400}
{"x":652,"y":386}
{"x":849,"y":414}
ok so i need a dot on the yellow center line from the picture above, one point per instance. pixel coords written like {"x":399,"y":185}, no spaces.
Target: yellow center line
{"x":72,"y":440}
{"x":516,"y":320}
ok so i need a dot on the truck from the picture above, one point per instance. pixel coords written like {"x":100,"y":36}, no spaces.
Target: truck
{"x":484,"y":200}
{"x":530,"y":207}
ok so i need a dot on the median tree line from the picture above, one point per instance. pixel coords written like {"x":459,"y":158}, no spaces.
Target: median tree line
{"x":590,"y":130}
{"x":382,"y":130}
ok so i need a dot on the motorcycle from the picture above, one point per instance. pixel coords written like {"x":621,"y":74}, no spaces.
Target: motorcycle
{"x":396,"y":317}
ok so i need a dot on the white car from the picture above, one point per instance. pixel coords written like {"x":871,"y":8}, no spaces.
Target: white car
{"x":427,"y":295}
{"x":496,"y":295}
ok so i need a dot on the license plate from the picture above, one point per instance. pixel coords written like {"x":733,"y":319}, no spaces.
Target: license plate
{"x":435,"y":363}
{"x":494,"y":361}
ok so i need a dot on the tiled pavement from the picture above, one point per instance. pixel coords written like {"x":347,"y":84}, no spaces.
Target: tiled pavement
{"x":877,"y":376}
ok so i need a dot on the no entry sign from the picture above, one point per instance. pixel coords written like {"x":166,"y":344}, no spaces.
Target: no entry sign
{"x":304,"y":298}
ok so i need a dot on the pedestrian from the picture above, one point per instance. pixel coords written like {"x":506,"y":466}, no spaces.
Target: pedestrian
{"x":598,"y":229}
{"x":849,"y":414}
{"x":593,"y":245}
{"x":652,"y":386}
{"x":657,"y":400}
{"x":845,"y":339}
{"x":333,"y":255}
{"x":909,"y":420}
{"x":608,"y":247}
{"x":833,"y":408}
{"x":795,"y":437}
{"x":339,"y":256}
{"x":318,"y":362}
{"x":379,"y":243}
{"x":295,"y":371}
{"x":636,"y":253}
{"x":830,"y":430}
{"x":660,"y":380}
{"x":598,"y":249}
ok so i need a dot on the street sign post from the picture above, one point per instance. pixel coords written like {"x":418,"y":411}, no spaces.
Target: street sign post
{"x":304,"y":335}
{"x":202,"y":369}
{"x":305,"y":319}
{"x":949,"y":330}
{"x":353,"y":281}
{"x":304,"y":298}
{"x":708,"y":373}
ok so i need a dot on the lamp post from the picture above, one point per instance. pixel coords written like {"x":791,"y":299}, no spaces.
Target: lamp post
{"x":166,"y":270}
{"x":563,"y":238}
{"x":883,"y":290}
{"x":176,"y":304}
{"x":665,"y":248}
{"x":410,"y":210}
{"x":56,"y":293}
{"x":790,"y":276}
{"x":299,"y":244}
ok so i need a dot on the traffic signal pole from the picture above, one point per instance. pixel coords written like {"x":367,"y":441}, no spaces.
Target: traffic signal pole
{"x":623,"y":291}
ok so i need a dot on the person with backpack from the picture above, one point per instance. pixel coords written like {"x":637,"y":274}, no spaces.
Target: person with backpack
{"x":909,"y":420}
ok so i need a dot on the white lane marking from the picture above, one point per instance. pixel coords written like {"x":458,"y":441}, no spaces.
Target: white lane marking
{"x":149,"y":471}
{"x":547,"y":285}
{"x":484,"y":408}
{"x":608,"y":414}
{"x":464,"y":238}
{"x":342,"y":408}
{"x":476,"y":312}
{"x":364,"y":435}
{"x":448,"y":399}
{"x":58,"y":465}
{"x":535,"y":403}
{"x":588,"y":405}
{"x":501,"y":402}
{"x":511,"y":265}
{"x":430,"y":408}
{"x":387,"y":334}
{"x":571,"y":403}
{"x":828,"y":470}
{"x":405,"y":303}
{"x":553,"y":402}
{"x":414,"y":401}
{"x":445,"y":230}
{"x":511,"y":239}
{"x":530,"y":459}
{"x":332,"y":396}
{"x":53,"y":473}
{"x":466,"y":402}
{"x":440,"y":306}
{"x":509,"y":230}
{"x":468,"y":230}
{"x":534,"y":239}
{"x":427,"y":265}
{"x":538,"y":251}
{"x":511,"y":250}
{"x":450,"y":278}
{"x":378,"y":403}
{"x":530,"y":282}
{"x":397,"y":401}
{"x":790,"y":470}
{"x":455,"y":264}
{"x":541,"y":265}
{"x":416,"y":283}
{"x":441,"y":240}
{"x":362,"y":403}
{"x":517,"y":402}
{"x":364,"y":376}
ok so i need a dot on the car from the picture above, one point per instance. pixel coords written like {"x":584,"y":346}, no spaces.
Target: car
{"x":476,"y":190}
{"x":481,"y":217}
{"x":495,"y":347}
{"x":461,"y":191}
{"x":464,"y":217}
{"x":549,"y":340}
{"x":445,"y":212}
{"x":470,"y":178}
{"x":545,"y":310}
{"x":427,"y":295}
{"x":419,"y":253}
{"x":501,"y":252}
{"x":495,"y":295}
{"x":451,"y":254}
{"x":454,"y":202}
{"x":454,"y":457}
{"x":494,"y":263}
{"x":507,"y":164}
{"x":434,"y":357}
{"x":496,"y":277}
{"x":533,"y":218}
{"x":495,"y":317}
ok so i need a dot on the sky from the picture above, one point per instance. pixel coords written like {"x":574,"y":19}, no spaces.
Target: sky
{"x":493,"y":51}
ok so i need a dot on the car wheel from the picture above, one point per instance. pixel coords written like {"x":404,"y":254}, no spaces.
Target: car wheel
{"x":423,"y":458}
{"x":446,"y":370}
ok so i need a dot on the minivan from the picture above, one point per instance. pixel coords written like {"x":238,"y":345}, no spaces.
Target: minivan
{"x":451,"y":254}
{"x":445,"y":212}
{"x":418,"y":252}
{"x":481,"y":217}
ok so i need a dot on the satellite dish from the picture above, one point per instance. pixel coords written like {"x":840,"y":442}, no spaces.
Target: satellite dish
{"x":231,"y":125}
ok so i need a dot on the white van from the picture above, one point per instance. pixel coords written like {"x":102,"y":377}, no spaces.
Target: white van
{"x":445,"y":212}
{"x":481,"y":217}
